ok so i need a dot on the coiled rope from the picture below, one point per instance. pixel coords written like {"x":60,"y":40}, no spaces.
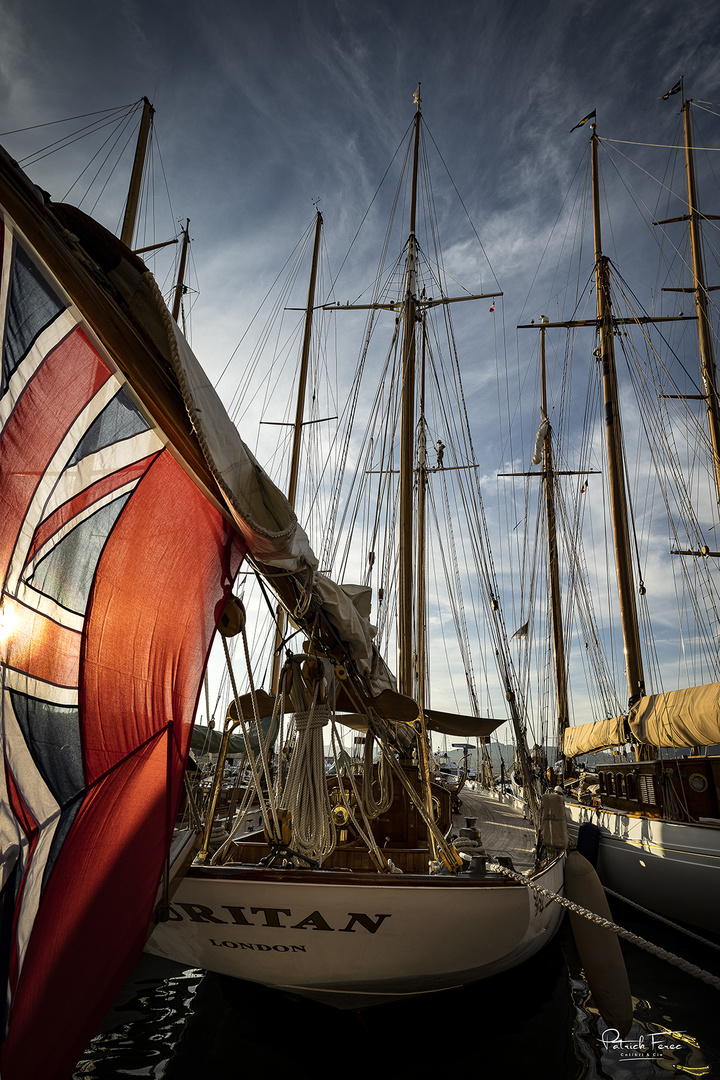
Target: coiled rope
{"x":383,"y":802}
{"x":663,"y":954}
{"x":305,"y":793}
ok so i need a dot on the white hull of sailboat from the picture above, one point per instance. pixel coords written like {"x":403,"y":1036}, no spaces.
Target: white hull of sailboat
{"x":668,"y":867}
{"x":356,"y":942}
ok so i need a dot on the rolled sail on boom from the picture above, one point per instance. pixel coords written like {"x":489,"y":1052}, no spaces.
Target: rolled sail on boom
{"x":585,"y":738}
{"x":679,"y":718}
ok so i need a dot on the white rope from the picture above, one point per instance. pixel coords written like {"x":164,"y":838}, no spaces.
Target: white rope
{"x":663,"y":954}
{"x":365,"y":833}
{"x":657,"y":146}
{"x":245,"y":804}
{"x":418,"y":802}
{"x":306,"y":794}
{"x":376,"y":806}
{"x":265,"y":809}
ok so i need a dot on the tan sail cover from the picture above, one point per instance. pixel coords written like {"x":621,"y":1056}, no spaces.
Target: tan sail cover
{"x":585,"y":738}
{"x":679,"y":718}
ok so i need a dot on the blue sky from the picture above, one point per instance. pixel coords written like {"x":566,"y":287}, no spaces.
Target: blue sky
{"x":264,"y":108}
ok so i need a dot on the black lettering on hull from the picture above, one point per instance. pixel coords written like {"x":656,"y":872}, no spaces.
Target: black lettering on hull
{"x":257,"y":948}
{"x":364,"y":921}
{"x":200,"y":913}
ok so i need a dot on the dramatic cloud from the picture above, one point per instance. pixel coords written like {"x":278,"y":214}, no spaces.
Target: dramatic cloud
{"x":264,"y":111}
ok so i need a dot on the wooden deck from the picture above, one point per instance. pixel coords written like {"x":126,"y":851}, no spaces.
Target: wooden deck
{"x":503,"y":829}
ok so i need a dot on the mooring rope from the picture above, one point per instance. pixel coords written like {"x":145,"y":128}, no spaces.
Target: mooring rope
{"x":662,"y":919}
{"x":663,"y":954}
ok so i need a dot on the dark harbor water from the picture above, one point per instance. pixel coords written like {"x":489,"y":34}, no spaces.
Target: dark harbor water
{"x":535,"y":1021}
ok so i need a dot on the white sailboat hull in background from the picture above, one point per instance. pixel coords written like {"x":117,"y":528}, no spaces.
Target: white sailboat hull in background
{"x":353,"y":940}
{"x":668,"y":867}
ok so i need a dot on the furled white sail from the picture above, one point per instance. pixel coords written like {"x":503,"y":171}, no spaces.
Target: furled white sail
{"x":540,"y":440}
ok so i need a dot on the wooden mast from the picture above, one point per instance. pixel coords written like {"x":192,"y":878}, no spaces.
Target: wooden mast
{"x":708,"y":368}
{"x":304,"y":361}
{"x":553,"y":564}
{"x":180,"y":286}
{"x":420,"y":590}
{"x":616,"y":470}
{"x":407,"y":443}
{"x":128,"y":226}
{"x":409,"y":654}
{"x":297,"y":430}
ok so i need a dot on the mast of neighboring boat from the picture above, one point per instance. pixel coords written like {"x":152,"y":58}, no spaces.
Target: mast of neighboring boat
{"x":616,"y":472}
{"x":708,"y":367}
{"x":128,"y":226}
{"x":554,"y":569}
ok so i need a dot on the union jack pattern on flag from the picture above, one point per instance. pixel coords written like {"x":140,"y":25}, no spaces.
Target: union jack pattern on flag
{"x":115,"y":570}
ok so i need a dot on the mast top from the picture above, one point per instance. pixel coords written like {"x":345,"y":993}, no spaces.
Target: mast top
{"x":678,"y":88}
{"x":416,"y":98}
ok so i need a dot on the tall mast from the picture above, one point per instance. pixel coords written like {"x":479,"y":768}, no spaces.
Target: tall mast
{"x":128,"y":226}
{"x":616,"y":471}
{"x":406,"y":614}
{"x":407,"y":442}
{"x":422,"y":479}
{"x":708,"y":368}
{"x":554,"y":569}
{"x":304,"y":361}
{"x":180,"y":286}
{"x":298,"y":426}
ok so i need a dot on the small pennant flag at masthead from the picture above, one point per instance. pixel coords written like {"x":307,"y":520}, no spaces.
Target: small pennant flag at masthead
{"x":675,"y":90}
{"x":584,"y":120}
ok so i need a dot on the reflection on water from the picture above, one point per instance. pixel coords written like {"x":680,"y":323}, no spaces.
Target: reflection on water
{"x":140,"y":1034}
{"x":175,"y":1023}
{"x":675,"y":1027}
{"x":649,"y":1051}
